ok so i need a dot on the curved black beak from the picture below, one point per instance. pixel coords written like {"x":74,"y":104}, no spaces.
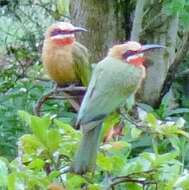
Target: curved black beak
{"x":79,"y":29}
{"x":149,"y":47}
{"x":144,"y":48}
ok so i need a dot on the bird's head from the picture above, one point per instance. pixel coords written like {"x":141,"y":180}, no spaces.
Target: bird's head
{"x":62,"y":33}
{"x":132,"y":52}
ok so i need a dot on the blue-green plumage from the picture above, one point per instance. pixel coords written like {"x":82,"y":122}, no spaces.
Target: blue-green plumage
{"x":113,"y":80}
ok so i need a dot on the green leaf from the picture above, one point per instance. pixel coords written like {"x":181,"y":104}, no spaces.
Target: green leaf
{"x":117,"y":162}
{"x":119,"y":145}
{"x":158,"y":160}
{"x":75,"y":182}
{"x":30,"y":144}
{"x":177,"y":111}
{"x":150,"y":118}
{"x":175,"y":142}
{"x":67,"y":129}
{"x":136,"y":166}
{"x":36,"y":164}
{"x":109,"y":122}
{"x":11,"y":181}
{"x":173,"y":7}
{"x":3,"y":174}
{"x":146,"y":107}
{"x":135,"y":132}
{"x":104,"y":162}
{"x":40,"y":127}
{"x":94,"y":187}
{"x":25,"y":117}
{"x":133,"y":186}
{"x":53,"y":175}
{"x":54,"y":139}
{"x":184,"y":19}
{"x":164,"y":158}
{"x":183,"y":182}
{"x":180,"y":122}
{"x":169,"y":172}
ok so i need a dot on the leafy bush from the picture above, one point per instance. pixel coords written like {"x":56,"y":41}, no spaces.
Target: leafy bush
{"x":151,"y":155}
{"x":21,"y":76}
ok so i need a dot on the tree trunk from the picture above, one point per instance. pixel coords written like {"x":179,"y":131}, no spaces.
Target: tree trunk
{"x":137,"y":22}
{"x":105,"y":22}
{"x":108,"y":22}
{"x":155,"y":27}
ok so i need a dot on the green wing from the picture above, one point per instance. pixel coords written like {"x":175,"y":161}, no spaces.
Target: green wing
{"x":81,"y":63}
{"x":112,"y":82}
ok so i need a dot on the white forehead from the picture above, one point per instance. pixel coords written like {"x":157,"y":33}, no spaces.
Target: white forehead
{"x":64,"y":25}
{"x":132,"y":45}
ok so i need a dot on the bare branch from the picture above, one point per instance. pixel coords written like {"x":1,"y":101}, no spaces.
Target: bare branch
{"x":65,"y":170}
{"x":53,"y":95}
{"x":127,"y":179}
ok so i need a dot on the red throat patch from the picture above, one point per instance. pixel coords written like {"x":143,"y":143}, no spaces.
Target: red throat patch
{"x":137,"y":61}
{"x":65,"y":41}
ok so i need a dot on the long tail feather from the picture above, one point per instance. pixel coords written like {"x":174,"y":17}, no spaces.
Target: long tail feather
{"x":85,"y":159}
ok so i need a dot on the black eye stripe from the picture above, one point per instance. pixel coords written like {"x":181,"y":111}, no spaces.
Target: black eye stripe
{"x":58,"y":31}
{"x":129,"y":53}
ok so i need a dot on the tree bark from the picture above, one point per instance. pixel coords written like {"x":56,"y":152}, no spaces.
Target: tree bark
{"x":137,"y":22}
{"x":105,"y":22}
{"x":108,"y":23}
{"x":155,"y":27}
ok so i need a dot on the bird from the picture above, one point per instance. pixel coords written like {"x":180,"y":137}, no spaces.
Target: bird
{"x":65,"y":60}
{"x":114,"y":79}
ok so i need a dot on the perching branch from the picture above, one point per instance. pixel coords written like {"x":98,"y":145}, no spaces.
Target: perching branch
{"x":53,"y":95}
{"x":128,"y":179}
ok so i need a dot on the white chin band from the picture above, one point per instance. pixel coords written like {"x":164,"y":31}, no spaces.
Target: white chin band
{"x":60,"y":36}
{"x":135,"y":56}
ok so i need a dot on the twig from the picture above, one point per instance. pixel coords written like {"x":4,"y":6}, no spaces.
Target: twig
{"x":131,"y":120}
{"x":126,"y":117}
{"x":52,"y":95}
{"x":65,"y":170}
{"x":61,"y":98}
{"x":25,"y":76}
{"x":41,"y":101}
{"x":126,"y":179}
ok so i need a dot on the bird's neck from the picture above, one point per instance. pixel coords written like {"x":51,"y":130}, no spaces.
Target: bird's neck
{"x":138,"y":61}
{"x":64,"y":41}
{"x":50,"y":47}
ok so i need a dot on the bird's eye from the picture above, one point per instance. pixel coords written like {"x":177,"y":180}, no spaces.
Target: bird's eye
{"x":129,"y":53}
{"x":56,"y":32}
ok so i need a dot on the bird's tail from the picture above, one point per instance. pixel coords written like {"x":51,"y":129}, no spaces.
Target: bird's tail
{"x":85,"y":159}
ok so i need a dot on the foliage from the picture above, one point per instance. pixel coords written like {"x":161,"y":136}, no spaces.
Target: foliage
{"x":178,"y":7}
{"x":22,"y":94}
{"x":153,"y":156}
{"x":22,"y":81}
